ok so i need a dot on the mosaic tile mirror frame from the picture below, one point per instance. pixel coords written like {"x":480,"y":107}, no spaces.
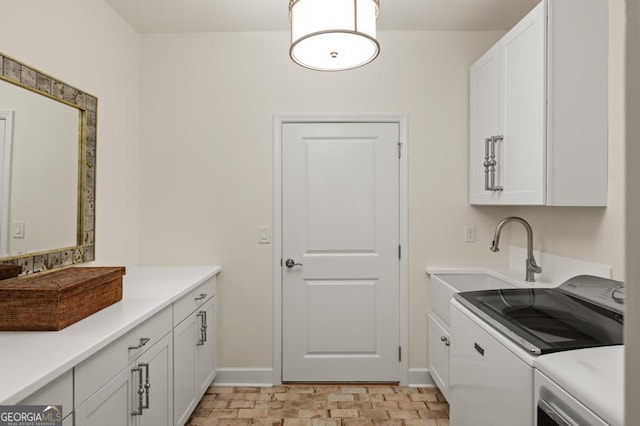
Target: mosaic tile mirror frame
{"x":29,"y":78}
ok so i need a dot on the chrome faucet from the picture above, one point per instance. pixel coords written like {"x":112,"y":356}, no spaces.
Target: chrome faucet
{"x":531,"y":265}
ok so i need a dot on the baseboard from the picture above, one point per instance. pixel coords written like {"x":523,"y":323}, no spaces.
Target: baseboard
{"x":420,"y":377}
{"x":262,"y":377}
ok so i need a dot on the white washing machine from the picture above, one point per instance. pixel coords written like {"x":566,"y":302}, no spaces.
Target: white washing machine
{"x":498,"y":336}
{"x":580,"y":388}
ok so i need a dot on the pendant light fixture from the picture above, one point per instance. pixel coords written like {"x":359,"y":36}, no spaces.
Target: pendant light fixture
{"x":333,"y":35}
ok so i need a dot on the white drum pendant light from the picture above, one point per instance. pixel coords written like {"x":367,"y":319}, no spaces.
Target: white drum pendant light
{"x":333,"y":35}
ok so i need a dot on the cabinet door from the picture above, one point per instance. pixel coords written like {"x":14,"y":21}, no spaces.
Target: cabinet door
{"x":157,"y":367}
{"x":488,"y":384}
{"x":185,"y":336}
{"x":523,"y":150}
{"x":438,"y":353}
{"x":111,"y":404}
{"x":485,"y":114}
{"x":206,"y":352}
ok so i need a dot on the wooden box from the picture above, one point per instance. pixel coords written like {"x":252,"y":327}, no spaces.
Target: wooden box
{"x":55,"y":300}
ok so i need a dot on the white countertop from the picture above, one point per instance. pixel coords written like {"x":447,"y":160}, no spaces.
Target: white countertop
{"x":31,"y":359}
{"x":593,"y":376}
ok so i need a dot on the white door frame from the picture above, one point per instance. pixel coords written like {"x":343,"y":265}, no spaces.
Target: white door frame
{"x":6,"y":147}
{"x":278,"y":121}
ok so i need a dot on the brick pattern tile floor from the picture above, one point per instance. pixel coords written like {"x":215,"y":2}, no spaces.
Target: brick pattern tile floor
{"x":321,"y":405}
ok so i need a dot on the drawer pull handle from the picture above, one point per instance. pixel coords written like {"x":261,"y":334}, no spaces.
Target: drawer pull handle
{"x":445,"y":340}
{"x":202,"y":296}
{"x":478,"y":348}
{"x":143,"y":341}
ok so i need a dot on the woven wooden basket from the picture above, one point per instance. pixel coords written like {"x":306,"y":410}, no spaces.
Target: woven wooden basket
{"x":53,"y":301}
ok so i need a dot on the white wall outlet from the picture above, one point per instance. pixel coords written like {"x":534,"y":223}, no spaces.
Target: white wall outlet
{"x":264,"y":234}
{"x":17,"y":229}
{"x":469,"y":233}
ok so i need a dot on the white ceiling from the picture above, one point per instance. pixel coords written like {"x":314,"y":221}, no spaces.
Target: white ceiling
{"x":175,"y":16}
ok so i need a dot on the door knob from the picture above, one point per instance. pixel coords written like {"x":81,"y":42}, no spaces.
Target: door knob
{"x":290,"y":263}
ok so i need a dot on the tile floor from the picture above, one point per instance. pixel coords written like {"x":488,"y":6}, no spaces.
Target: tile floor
{"x":321,"y":405}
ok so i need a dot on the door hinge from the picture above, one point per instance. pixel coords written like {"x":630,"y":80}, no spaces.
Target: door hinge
{"x":399,"y":353}
{"x":399,"y":149}
{"x":399,"y":251}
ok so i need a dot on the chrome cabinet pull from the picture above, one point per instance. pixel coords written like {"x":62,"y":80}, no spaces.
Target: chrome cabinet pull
{"x":143,"y":341}
{"x":486,"y":164}
{"x":490,"y":163}
{"x":202,"y":296}
{"x":446,"y":341}
{"x":138,"y":412}
{"x":203,"y":328}
{"x":147,"y":384}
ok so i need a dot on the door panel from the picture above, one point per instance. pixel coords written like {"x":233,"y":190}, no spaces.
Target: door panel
{"x":340,"y":209}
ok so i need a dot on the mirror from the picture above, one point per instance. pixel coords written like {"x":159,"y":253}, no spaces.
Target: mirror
{"x":47,"y":170}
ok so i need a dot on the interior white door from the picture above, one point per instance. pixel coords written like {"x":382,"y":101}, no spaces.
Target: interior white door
{"x":340,"y":224}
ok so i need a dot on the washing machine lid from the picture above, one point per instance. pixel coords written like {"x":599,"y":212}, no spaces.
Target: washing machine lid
{"x":545,"y":320}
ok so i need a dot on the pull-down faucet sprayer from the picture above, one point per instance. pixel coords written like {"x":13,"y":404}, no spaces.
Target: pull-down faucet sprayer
{"x":531,"y":265}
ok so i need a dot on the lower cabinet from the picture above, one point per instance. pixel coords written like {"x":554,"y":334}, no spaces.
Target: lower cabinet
{"x":194,"y":359}
{"x":438,"y":353}
{"x":154,"y":375}
{"x":140,"y":395}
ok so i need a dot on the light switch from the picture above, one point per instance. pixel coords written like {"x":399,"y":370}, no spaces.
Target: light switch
{"x":17,"y":229}
{"x":469,"y":234}
{"x":264,"y":234}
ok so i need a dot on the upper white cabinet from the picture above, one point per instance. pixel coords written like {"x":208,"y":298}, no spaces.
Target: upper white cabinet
{"x":538,"y":110}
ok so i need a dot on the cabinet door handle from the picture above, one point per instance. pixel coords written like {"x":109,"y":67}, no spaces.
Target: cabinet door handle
{"x":203,"y":328}
{"x":493,"y":162}
{"x":147,"y":384}
{"x":478,"y":348}
{"x":446,"y":341}
{"x":143,"y":341}
{"x":202,"y":296}
{"x":138,"y":412}
{"x":490,"y":163}
{"x":204,"y":325}
{"x":486,"y":164}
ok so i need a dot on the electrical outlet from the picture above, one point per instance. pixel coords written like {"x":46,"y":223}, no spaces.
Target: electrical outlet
{"x":17,"y":230}
{"x":469,"y":233}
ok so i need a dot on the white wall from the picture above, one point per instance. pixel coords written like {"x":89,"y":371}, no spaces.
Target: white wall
{"x":87,"y":45}
{"x":208,"y":102}
{"x":632,"y":314}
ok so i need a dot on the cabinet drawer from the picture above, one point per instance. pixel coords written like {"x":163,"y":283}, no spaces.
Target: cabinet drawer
{"x":183,"y":307}
{"x":106,"y":364}
{"x":57,"y":392}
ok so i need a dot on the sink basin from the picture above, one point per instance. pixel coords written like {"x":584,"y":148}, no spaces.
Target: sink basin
{"x":443,"y":286}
